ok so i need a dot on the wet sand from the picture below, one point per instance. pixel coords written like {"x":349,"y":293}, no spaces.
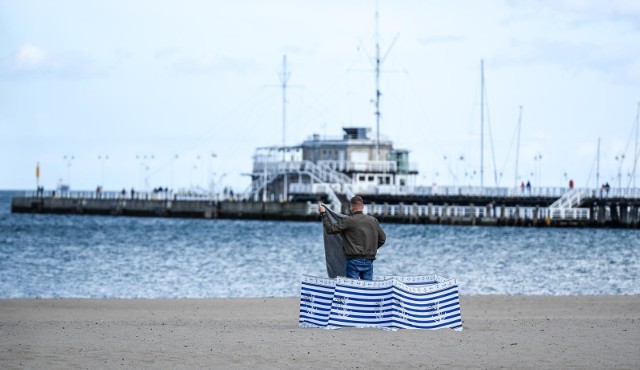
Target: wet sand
{"x":543,"y":332}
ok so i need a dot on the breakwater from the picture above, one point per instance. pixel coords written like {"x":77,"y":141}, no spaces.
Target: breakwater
{"x":454,"y":210}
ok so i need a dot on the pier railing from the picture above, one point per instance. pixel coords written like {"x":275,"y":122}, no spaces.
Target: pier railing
{"x":368,"y":166}
{"x":615,"y":212}
{"x":500,"y":192}
{"x":138,"y":195}
{"x":443,"y":211}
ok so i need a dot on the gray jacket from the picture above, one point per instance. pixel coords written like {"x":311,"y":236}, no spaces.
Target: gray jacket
{"x":362,"y":235}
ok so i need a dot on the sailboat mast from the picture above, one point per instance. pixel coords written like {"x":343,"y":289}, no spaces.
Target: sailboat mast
{"x":284,"y":78}
{"x":518,"y":146}
{"x":598,"y":166}
{"x":482,"y":123}
{"x":377,"y":86}
{"x":636,"y":154}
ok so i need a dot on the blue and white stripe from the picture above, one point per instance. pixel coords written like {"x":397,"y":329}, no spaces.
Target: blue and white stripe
{"x":387,"y":302}
{"x":316,"y":297}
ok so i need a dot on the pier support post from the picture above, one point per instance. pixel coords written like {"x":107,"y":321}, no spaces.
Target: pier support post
{"x":615,"y":215}
{"x":472,"y":209}
{"x":602,"y":214}
{"x":624,"y":214}
{"x":445,"y":213}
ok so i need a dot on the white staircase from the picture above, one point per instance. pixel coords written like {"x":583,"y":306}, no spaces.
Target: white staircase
{"x":567,"y":201}
{"x":335,"y":181}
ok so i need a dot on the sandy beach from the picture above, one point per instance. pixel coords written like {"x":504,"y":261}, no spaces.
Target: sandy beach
{"x":535,"y":332}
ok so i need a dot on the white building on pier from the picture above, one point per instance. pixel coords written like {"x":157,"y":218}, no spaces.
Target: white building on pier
{"x":331,"y":166}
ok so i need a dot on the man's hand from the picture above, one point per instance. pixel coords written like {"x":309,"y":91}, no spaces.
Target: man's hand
{"x":321,"y":208}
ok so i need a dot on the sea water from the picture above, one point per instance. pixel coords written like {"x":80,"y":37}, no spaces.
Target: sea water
{"x":133,"y":257}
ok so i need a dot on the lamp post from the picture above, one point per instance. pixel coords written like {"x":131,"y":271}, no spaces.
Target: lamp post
{"x":447,"y":161}
{"x":145,"y":163}
{"x":537,"y":159}
{"x":620,"y":160}
{"x":102,"y":158}
{"x":203,"y":173}
{"x":210,"y":175}
{"x":215,"y":185}
{"x":175,"y":156}
{"x":69,"y":159}
{"x":460,"y":160}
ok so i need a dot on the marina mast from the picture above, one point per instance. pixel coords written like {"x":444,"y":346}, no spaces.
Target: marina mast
{"x":598,"y":166}
{"x":284,"y":79}
{"x":481,"y":123}
{"x":518,"y":146}
{"x":377,"y":85}
{"x":379,"y":60}
{"x":636,"y":153}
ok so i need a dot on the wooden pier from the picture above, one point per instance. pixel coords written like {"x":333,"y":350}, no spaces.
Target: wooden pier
{"x":593,"y":211}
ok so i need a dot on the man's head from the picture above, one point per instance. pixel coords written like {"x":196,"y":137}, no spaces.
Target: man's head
{"x":357,"y":204}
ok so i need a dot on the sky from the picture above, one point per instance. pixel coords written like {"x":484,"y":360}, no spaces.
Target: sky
{"x":178,"y":94}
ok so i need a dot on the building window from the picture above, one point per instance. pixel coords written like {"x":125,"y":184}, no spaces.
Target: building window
{"x":361,"y":178}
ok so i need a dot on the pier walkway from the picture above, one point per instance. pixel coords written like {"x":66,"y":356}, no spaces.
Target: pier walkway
{"x":445,"y":205}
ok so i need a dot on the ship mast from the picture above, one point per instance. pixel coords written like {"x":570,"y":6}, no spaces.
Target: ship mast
{"x":379,"y":61}
{"x":636,"y":153}
{"x":377,"y":86}
{"x":284,"y":79}
{"x":518,"y":145}
{"x":481,"y":122}
{"x":598,"y":166}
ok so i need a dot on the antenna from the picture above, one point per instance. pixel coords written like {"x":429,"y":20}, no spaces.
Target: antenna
{"x":377,"y":85}
{"x":518,"y":145}
{"x":379,"y":60}
{"x":284,"y":78}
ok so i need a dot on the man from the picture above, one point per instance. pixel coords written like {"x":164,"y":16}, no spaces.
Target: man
{"x":362,"y":237}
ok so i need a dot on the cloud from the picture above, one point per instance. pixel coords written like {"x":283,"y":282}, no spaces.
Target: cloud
{"x":577,"y":35}
{"x":442,"y":39}
{"x":33,"y":60}
{"x":633,"y":70}
{"x":30,"y":57}
{"x":576,"y":12}
{"x":209,"y":63}
{"x":600,"y":8}
{"x":620,"y":63}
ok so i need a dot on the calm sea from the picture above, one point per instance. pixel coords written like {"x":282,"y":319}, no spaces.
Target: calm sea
{"x":126,"y":257}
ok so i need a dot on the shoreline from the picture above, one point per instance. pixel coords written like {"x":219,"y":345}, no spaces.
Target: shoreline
{"x":511,"y":331}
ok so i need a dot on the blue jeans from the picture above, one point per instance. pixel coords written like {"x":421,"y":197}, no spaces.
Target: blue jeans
{"x":360,"y":268}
